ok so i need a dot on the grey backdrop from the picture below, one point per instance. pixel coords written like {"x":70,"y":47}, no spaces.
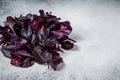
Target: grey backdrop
{"x":96,"y":27}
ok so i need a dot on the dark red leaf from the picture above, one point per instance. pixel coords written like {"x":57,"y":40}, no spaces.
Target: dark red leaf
{"x":10,"y":19}
{"x":66,"y":45}
{"x":22,"y":53}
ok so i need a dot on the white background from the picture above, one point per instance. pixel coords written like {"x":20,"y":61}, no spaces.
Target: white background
{"x":96,"y":28}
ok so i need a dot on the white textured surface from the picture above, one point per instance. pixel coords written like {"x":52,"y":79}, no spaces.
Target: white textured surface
{"x":96,"y":27}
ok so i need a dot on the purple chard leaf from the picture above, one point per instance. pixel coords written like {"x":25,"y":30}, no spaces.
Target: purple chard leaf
{"x":35,"y":38}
